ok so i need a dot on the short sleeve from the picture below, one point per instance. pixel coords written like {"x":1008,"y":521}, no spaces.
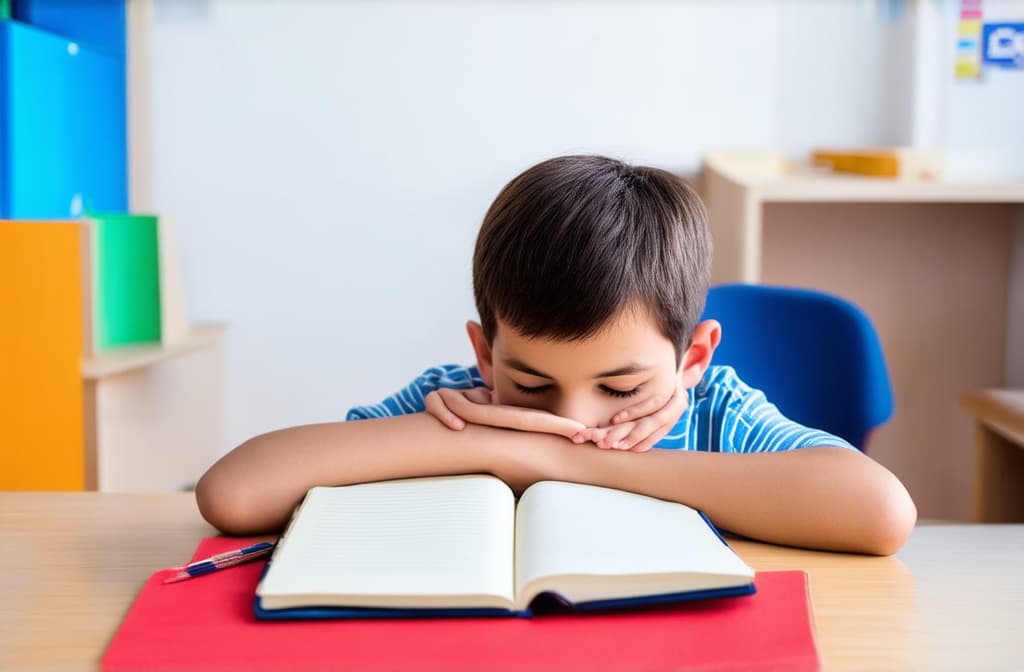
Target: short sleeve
{"x":411,"y":398}
{"x":742,"y":420}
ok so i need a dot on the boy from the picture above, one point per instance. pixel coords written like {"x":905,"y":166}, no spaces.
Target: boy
{"x":590,"y":277}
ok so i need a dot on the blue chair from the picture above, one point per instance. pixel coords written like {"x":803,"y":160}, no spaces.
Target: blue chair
{"x":815,"y":356}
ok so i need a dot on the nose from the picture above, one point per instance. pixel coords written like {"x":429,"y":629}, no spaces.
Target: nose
{"x":576,"y":408}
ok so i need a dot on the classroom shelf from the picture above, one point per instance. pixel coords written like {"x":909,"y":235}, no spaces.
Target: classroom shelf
{"x":154,"y":415}
{"x":930,"y":262}
{"x":771,"y":178}
{"x":129,"y":358}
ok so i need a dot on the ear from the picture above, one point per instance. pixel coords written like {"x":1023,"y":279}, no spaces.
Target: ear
{"x":697,"y":357}
{"x":484,"y":360}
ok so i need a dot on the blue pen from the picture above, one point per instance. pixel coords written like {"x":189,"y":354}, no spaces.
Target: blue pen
{"x":220,"y":561}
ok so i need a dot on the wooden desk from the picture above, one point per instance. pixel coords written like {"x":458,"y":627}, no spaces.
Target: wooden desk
{"x":71,"y":563}
{"x":998,"y":454}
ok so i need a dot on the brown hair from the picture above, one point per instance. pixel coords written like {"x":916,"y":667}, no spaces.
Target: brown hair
{"x":574,"y":240}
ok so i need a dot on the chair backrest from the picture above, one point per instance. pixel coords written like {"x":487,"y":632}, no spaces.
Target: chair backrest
{"x":816,"y":356}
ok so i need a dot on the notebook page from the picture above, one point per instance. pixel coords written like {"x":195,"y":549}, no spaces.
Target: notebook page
{"x":595,"y":533}
{"x":429,"y":536}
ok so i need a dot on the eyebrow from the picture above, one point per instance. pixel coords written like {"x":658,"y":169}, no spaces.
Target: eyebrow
{"x":626,"y":370}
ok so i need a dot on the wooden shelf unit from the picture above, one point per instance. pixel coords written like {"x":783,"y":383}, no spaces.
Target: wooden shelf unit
{"x":930,"y":263}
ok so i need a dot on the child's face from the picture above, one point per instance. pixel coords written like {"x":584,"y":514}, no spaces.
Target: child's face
{"x":589,"y":380}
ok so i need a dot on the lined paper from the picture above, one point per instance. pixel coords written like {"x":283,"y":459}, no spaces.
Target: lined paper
{"x":600,"y":543}
{"x":434,"y":536}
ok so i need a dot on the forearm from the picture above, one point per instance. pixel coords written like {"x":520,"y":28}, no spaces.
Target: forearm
{"x":825,"y":498}
{"x":254,"y":488}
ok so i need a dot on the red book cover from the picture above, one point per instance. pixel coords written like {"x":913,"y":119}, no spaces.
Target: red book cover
{"x":207,"y":623}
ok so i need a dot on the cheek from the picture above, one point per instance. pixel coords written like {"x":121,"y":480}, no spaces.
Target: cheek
{"x":611,"y":408}
{"x":620,"y":404}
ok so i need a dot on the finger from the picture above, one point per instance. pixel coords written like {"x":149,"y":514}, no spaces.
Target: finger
{"x":657,"y":435}
{"x":436,"y":407}
{"x":588,"y":434}
{"x":641,"y":430}
{"x":466,"y":397}
{"x":450,"y":394}
{"x":532,"y":420}
{"x":645,"y":407}
{"x":513,"y":417}
{"x":609,"y":434}
{"x":619,"y":432}
{"x":647,"y":439}
{"x":645,"y":445}
{"x":658,"y":425}
{"x":594,"y":434}
{"x":671,"y":411}
{"x":602,"y":436}
{"x":478,"y":395}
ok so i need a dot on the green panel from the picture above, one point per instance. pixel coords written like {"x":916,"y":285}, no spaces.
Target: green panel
{"x":127,"y":277}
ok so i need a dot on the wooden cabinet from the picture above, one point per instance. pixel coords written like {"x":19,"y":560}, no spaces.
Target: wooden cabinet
{"x":998,"y":493}
{"x":154,"y":416}
{"x":132,"y":418}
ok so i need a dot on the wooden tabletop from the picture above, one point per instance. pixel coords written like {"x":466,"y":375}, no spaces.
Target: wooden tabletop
{"x":953,"y":598}
{"x":1002,"y":410}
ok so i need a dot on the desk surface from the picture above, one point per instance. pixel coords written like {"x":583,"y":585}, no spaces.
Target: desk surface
{"x":1002,"y":410}
{"x":771,"y":178}
{"x":71,"y":563}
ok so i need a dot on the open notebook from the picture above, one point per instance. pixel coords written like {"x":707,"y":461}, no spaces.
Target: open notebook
{"x":460,"y":545}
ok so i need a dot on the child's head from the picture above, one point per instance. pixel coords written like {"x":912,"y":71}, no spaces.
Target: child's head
{"x":585,"y":265}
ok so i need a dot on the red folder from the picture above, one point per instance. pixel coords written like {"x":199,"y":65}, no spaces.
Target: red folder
{"x":207,"y":623}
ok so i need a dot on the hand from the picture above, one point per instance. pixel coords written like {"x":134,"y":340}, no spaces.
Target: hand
{"x":639,"y":427}
{"x":454,"y":408}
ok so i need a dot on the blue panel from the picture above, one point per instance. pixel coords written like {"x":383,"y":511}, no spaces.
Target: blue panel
{"x":98,"y":141}
{"x":63,"y":122}
{"x":98,"y":24}
{"x":5,"y":155}
{"x":36,"y":123}
{"x":1003,"y":44}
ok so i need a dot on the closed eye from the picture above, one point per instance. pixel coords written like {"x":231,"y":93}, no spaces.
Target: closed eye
{"x":532,"y":390}
{"x":604,"y":388}
{"x":620,"y":393}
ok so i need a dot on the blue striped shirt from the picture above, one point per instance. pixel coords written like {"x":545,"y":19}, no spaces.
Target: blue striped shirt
{"x":724,"y":414}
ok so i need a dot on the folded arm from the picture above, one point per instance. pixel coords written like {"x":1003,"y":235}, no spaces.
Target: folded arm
{"x":824,"y":498}
{"x":254,"y":488}
{"x":827,"y":498}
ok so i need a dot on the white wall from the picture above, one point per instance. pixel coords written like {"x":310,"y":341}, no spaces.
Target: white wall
{"x":981,"y":121}
{"x":982,"y":133}
{"x":328,"y":163}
